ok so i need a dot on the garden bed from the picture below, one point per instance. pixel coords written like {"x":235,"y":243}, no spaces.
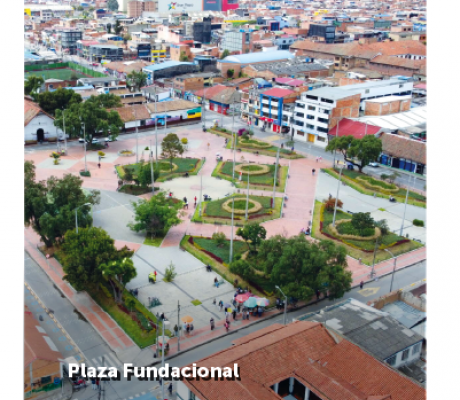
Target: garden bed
{"x":136,"y":190}
{"x":214,"y":211}
{"x":355,"y":180}
{"x":359,"y":249}
{"x":263,"y":181}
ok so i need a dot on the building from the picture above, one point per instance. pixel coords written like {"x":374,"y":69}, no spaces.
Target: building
{"x":322,"y":32}
{"x":348,"y":127}
{"x":387,"y":105}
{"x":286,"y":69}
{"x":42,"y":369}
{"x":202,"y":30}
{"x":220,"y":98}
{"x":184,"y":85}
{"x":372,"y":330}
{"x":220,"y":5}
{"x":38,"y":125}
{"x":169,"y":69}
{"x":303,"y":360}
{"x":69,"y":40}
{"x":319,"y":110}
{"x":120,"y":69}
{"x":136,"y":8}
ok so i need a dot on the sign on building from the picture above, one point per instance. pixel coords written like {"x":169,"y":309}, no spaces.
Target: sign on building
{"x":179,"y":6}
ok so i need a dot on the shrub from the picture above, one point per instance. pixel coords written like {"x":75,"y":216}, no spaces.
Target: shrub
{"x":219,"y":238}
{"x":101,"y":153}
{"x":146,"y":148}
{"x":85,"y":173}
{"x":330,"y":204}
{"x":418,"y":222}
{"x":184,"y":141}
{"x":170,"y":273}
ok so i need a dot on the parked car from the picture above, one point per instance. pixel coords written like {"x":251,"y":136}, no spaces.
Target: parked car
{"x":82,"y":140}
{"x":374,"y":164}
{"x":110,"y":138}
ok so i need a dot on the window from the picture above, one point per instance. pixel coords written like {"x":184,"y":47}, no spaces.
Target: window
{"x":45,"y":379}
{"x":323,"y":120}
{"x":142,"y":122}
{"x":298,"y":123}
{"x":312,"y":127}
{"x":405,"y":355}
{"x":300,"y":115}
{"x":310,"y":117}
{"x":311,"y":108}
{"x":392,"y":360}
{"x":416,"y":348}
{"x":327,"y":101}
{"x":320,"y":139}
{"x":312,"y":97}
{"x":400,"y":86}
{"x":324,"y":130}
{"x":300,"y":105}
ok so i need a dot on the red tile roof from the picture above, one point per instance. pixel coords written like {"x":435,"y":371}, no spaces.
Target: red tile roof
{"x":402,"y":147}
{"x":290,"y":81}
{"x":210,"y":92}
{"x":31,"y":110}
{"x":356,"y":129}
{"x":334,"y":369}
{"x":278,"y":92}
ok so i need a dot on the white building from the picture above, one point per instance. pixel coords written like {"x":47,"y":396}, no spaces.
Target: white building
{"x":38,"y":125}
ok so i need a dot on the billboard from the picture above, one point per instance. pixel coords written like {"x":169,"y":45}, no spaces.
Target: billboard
{"x":212,"y":5}
{"x":178,"y":6}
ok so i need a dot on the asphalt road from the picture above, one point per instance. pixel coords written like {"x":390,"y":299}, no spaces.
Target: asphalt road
{"x":94,"y":348}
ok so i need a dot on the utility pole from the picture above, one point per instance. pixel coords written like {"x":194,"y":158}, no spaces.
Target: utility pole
{"x":156,"y":120}
{"x":234,"y":143}
{"x":178,"y":326}
{"x":276,"y":172}
{"x":84,"y":137}
{"x":336,"y":135}
{"x":247,"y":201}
{"x":373,"y":261}
{"x":337,"y":197}
{"x":63,"y":123}
{"x":100,"y":382}
{"x":231,"y":237}
{"x":137,"y":146}
{"x":201,"y":194}
{"x":151,"y":166}
{"x":404,"y":214}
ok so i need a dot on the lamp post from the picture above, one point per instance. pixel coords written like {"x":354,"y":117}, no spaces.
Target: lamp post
{"x":163,"y":358}
{"x":84,"y":139}
{"x":285,"y":304}
{"x":76,"y":215}
{"x":231,"y":237}
{"x":137,"y":146}
{"x":201,"y":194}
{"x":151,"y":167}
{"x":394,"y":268}
{"x":276,"y":173}
{"x":234,"y":138}
{"x":222,"y":112}
{"x":156,"y":120}
{"x":337,"y":197}
{"x":63,"y":123}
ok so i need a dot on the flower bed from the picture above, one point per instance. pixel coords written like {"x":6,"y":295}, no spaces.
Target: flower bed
{"x":253,"y":143}
{"x":336,"y":231}
{"x":252,"y":169}
{"x":125,"y":153}
{"x":377,"y":184}
{"x":240,"y":206}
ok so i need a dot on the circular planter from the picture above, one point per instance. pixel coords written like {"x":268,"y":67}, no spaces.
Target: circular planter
{"x":258,"y":145}
{"x":174,"y":167}
{"x":353,"y":237}
{"x":263,"y":169}
{"x":227,"y":206}
{"x":126,"y":153}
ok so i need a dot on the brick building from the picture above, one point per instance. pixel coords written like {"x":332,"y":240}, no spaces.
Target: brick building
{"x":269,"y":71}
{"x":136,"y":8}
{"x":387,"y":105}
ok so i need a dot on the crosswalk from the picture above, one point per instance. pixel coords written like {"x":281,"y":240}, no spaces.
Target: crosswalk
{"x":110,"y":360}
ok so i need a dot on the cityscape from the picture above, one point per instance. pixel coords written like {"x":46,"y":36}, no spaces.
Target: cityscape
{"x":225,"y":199}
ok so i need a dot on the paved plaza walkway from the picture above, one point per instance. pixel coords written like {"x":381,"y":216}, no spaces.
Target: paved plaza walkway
{"x":192,"y":282}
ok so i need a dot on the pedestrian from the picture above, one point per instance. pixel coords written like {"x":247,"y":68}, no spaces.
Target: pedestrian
{"x":162,"y":316}
{"x":234,"y":315}
{"x":149,"y":300}
{"x":187,"y":328}
{"x":318,"y":293}
{"x":221,"y":305}
{"x":99,"y":165}
{"x":226,"y":315}
{"x":361,"y":284}
{"x":259,"y":311}
{"x":170,"y":388}
{"x":239,"y":308}
{"x":170,"y":195}
{"x":247,"y":315}
{"x":212,"y":323}
{"x":97,"y":384}
{"x":186,"y":206}
{"x":191,"y":327}
{"x":316,"y":159}
{"x":313,"y":171}
{"x":214,"y":302}
{"x":227,"y":325}
{"x":93,"y":383}
{"x":278,"y":299}
{"x":195,"y":201}
{"x":185,"y":199}
{"x":320,"y":159}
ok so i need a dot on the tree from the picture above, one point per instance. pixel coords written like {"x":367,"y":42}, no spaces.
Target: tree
{"x":171,"y":147}
{"x":128,"y":177}
{"x":301,"y":267}
{"x":144,"y":175}
{"x":32,"y":84}
{"x":49,"y":208}
{"x":80,"y":8}
{"x":225,"y":53}
{"x":364,"y":150}
{"x":136,"y":79}
{"x":330,"y":204}
{"x":93,"y":115}
{"x":230,"y":73}
{"x":58,"y":100}
{"x":155,"y":216}
{"x":109,"y":26}
{"x":112,"y":5}
{"x":106,"y":100}
{"x":118,"y":273}
{"x":241,"y":268}
{"x":253,"y":235}
{"x":362,"y":221}
{"x":118,"y":28}
{"x":82,"y":254}
{"x":219,"y":238}
{"x":170,"y":273}
{"x":183,"y":56}
{"x":127,"y":38}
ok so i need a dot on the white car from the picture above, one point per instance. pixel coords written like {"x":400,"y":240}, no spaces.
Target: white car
{"x":110,"y":139}
{"x":374,"y":164}
{"x":81,"y":140}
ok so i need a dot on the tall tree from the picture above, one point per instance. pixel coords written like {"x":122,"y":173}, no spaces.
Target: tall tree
{"x":362,"y":221}
{"x":109,"y":26}
{"x":253,"y":234}
{"x":171,"y":147}
{"x":49,"y":208}
{"x":136,"y":79}
{"x":155,"y":216}
{"x":301,"y":267}
{"x":57,"y":100}
{"x":225,"y":53}
{"x":364,"y":150}
{"x":32,"y":84}
{"x":118,"y":273}
{"x":93,"y":115}
{"x":106,"y":100}
{"x":82,"y":255}
{"x":112,"y":5}
{"x":145,"y":175}
{"x":118,"y":28}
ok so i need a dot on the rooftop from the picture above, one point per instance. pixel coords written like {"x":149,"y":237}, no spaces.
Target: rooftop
{"x":165,"y":65}
{"x":348,"y":127}
{"x":402,"y":147}
{"x":403,"y":120}
{"x":259,"y":57}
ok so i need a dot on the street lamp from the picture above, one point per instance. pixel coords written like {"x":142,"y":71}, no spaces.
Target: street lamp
{"x":163,"y":358}
{"x":394,"y":268}
{"x":76,"y":215}
{"x":285,"y":304}
{"x":337,"y":197}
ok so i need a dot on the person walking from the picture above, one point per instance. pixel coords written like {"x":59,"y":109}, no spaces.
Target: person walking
{"x":313,"y":171}
{"x":185,"y":199}
{"x":93,"y":383}
{"x":247,"y":315}
{"x":361,"y":284}
{"x":170,"y":388}
{"x":185,"y":327}
{"x":234,"y":315}
{"x":320,"y":159}
{"x":186,"y":206}
{"x":227,"y":325}
{"x":212,"y":323}
{"x":226,"y":315}
{"x":188,"y":328}
{"x":195,"y":201}
{"x":99,"y":165}
{"x":221,"y":305}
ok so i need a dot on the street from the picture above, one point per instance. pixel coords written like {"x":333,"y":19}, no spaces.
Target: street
{"x":94,"y":348}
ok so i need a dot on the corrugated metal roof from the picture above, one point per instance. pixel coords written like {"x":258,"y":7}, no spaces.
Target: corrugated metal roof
{"x":259,"y":57}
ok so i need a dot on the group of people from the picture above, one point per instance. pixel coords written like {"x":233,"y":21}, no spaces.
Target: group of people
{"x":306,"y":231}
{"x":319,"y":159}
{"x":188,"y":327}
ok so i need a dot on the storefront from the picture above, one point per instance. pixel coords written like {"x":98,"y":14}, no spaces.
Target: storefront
{"x":402,"y":163}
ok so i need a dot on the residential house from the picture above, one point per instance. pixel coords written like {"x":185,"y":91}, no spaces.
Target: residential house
{"x":121,"y":69}
{"x":38,"y":125}
{"x":42,"y":367}
{"x":127,"y":96}
{"x":287,"y":69}
{"x":303,"y":360}
{"x":168,"y":69}
{"x":220,"y":98}
{"x":374,"y":331}
{"x":185,"y":84}
{"x":387,"y":105}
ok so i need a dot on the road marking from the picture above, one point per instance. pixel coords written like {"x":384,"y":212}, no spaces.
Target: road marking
{"x":50,"y":343}
{"x":368,"y":291}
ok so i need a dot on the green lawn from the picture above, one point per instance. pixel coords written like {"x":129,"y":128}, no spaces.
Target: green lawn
{"x":349,"y":177}
{"x":224,"y":170}
{"x":61,"y":73}
{"x":213,"y":211}
{"x":155,"y":242}
{"x":355,"y":247}
{"x":223,"y":252}
{"x":135,"y":190}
